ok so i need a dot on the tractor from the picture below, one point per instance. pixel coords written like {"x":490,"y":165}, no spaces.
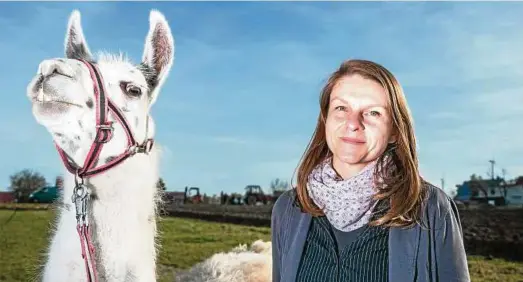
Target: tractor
{"x":254,"y":195}
{"x":191,"y":195}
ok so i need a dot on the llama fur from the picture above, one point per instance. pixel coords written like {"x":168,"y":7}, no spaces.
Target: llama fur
{"x":122,"y":208}
{"x":241,"y":264}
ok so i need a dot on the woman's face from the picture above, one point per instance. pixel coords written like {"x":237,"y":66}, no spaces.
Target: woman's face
{"x":358,"y":126}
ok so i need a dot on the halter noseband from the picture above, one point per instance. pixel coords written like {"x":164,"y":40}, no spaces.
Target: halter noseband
{"x":104,"y":133}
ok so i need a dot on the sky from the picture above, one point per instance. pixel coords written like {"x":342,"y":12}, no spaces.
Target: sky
{"x":241,"y":101}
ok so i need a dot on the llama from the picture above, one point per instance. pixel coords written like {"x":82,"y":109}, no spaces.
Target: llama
{"x":121,"y":206}
{"x":83,"y":103}
{"x":241,"y":264}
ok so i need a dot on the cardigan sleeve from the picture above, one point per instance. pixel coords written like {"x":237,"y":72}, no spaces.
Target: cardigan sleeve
{"x":276,"y":215}
{"x":451,"y":258}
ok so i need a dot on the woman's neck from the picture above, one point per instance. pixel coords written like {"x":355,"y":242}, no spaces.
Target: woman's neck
{"x":347,"y":170}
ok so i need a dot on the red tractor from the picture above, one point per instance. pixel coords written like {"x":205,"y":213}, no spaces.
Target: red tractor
{"x":191,"y":195}
{"x":254,"y":194}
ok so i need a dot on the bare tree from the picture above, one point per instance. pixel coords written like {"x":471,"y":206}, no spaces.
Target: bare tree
{"x":278,"y":185}
{"x":161,"y":185}
{"x":59,"y":182}
{"x":24,"y":183}
{"x":476,"y":183}
{"x":503,"y":184}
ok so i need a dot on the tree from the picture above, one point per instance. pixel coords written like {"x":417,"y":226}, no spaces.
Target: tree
{"x":519,"y":180}
{"x":59,"y":182}
{"x":160,"y":185}
{"x":475,"y":177}
{"x":477,"y":184}
{"x":24,"y":183}
{"x":278,"y":185}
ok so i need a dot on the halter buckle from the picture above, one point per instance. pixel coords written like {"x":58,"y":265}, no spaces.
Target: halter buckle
{"x":108,"y":128}
{"x":147,"y":146}
{"x":144,"y":148}
{"x":133,"y":149}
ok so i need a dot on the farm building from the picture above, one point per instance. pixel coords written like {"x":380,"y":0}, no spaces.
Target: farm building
{"x":496,"y":191}
{"x":7,"y":197}
{"x":514,"y":195}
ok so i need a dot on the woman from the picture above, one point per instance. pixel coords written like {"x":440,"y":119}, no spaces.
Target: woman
{"x":361,"y":211}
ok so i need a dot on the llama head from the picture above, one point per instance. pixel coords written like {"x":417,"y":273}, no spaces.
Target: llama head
{"x":62,"y":92}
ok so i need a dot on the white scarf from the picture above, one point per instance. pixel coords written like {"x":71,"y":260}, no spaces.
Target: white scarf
{"x":348,"y":203}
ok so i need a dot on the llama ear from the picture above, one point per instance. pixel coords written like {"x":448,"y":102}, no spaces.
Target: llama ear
{"x":158,"y":54}
{"x":75,"y":43}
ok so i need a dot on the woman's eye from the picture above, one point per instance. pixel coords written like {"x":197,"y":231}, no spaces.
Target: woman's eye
{"x":340,"y":108}
{"x":375,"y":113}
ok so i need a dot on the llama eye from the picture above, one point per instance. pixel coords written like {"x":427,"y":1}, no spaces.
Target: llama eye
{"x":131,"y":90}
{"x":134,"y":90}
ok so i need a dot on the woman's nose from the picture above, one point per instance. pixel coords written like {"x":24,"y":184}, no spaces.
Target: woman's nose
{"x":353,"y":122}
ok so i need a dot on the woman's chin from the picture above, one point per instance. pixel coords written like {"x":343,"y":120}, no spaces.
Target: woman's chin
{"x":349,"y":159}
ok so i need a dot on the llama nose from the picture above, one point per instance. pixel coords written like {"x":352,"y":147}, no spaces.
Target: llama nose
{"x":57,"y":66}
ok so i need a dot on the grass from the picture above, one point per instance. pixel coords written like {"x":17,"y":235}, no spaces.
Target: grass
{"x":482,"y":270}
{"x":184,"y":242}
{"x":24,"y":236}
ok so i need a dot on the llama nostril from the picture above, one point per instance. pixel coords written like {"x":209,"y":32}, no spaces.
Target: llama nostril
{"x":54,"y":67}
{"x":47,"y":68}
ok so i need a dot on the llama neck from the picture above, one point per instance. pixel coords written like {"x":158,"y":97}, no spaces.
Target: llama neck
{"x":122,"y":216}
{"x":128,"y":187}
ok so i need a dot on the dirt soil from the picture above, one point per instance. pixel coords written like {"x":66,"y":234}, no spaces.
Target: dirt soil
{"x":489,"y":232}
{"x":493,"y":232}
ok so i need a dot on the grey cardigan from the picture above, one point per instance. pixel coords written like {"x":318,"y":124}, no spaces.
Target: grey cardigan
{"x":418,"y":254}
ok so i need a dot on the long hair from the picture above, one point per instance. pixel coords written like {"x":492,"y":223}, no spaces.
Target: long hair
{"x":402,"y":184}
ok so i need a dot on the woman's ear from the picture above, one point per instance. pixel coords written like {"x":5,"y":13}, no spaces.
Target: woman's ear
{"x":393,"y":137}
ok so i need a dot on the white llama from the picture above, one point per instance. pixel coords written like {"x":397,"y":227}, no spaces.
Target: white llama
{"x":76,"y":99}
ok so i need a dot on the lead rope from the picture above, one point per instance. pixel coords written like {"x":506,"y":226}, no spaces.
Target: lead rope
{"x":80,"y":198}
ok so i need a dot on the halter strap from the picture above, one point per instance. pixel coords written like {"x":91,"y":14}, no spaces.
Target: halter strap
{"x":104,"y":132}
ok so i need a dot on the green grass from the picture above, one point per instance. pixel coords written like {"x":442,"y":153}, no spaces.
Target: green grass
{"x":184,"y":242}
{"x":482,"y":270}
{"x":23,"y":241}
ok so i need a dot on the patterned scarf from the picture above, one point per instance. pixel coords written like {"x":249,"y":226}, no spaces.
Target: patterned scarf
{"x":348,"y":203}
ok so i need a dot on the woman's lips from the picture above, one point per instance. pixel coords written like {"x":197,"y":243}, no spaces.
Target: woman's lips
{"x":351,"y":140}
